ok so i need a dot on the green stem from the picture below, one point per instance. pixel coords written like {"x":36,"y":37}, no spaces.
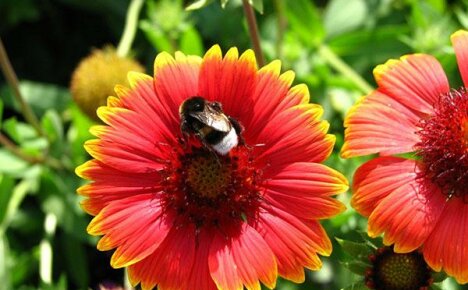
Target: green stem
{"x":280,"y":27}
{"x":13,"y":148}
{"x":253,"y":31}
{"x":46,"y":260}
{"x":342,"y":67}
{"x":131,"y":24}
{"x":12,"y":80}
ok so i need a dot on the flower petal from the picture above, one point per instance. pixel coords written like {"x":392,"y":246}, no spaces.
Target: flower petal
{"x":230,"y":81}
{"x":379,"y":124}
{"x":135,"y":225}
{"x":251,"y":257}
{"x":415,"y":80}
{"x":407,"y":215}
{"x":447,"y":246}
{"x":294,"y":243}
{"x":303,"y":189}
{"x":460,"y":45}
{"x":271,"y":88}
{"x":170,"y":265}
{"x":294,"y":135}
{"x":377,"y":178}
{"x":149,"y":107}
{"x":175,"y":79}
{"x":200,"y":277}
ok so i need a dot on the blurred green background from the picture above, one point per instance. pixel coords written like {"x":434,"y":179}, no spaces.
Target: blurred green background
{"x":331,"y":45}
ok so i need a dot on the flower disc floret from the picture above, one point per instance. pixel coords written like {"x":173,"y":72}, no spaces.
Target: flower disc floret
{"x":443,"y":144}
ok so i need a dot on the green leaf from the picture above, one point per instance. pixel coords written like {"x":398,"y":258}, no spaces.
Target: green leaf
{"x":223,"y":3}
{"x":191,"y":42}
{"x":4,"y":269}
{"x":42,"y":97}
{"x":305,"y":22}
{"x":156,"y":37}
{"x":77,"y":264}
{"x":359,"y":251}
{"x":257,"y":4}
{"x":17,"y":196}
{"x":357,"y":286}
{"x":6,"y":191}
{"x":343,"y":15}
{"x":439,"y":276}
{"x":1,"y":112}
{"x":12,"y":165}
{"x":19,"y":132}
{"x":198,"y":4}
{"x":357,"y":267}
{"x":52,"y":124}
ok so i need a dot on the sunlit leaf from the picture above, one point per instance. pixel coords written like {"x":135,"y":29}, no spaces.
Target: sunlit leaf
{"x":357,"y":267}
{"x":343,"y":15}
{"x":198,"y":4}
{"x":305,"y":21}
{"x":257,"y":4}
{"x":357,"y":286}
{"x":191,"y":42}
{"x":360,"y":251}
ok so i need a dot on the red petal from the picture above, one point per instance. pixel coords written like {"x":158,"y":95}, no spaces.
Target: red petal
{"x":230,"y":80}
{"x":294,"y":135}
{"x":222,"y":265}
{"x":170,"y":265}
{"x":294,"y":243}
{"x":407,"y":215}
{"x":174,"y":81}
{"x":415,"y":80}
{"x":377,"y":178}
{"x":252,"y":260}
{"x":151,"y":110}
{"x":447,"y":246}
{"x":200,"y":277}
{"x":125,"y":158}
{"x":379,"y":124}
{"x":270,"y":90}
{"x":460,"y":45}
{"x":307,"y":179}
{"x":135,"y":225}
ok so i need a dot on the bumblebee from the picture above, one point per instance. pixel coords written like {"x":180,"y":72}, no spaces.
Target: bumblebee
{"x":207,"y":121}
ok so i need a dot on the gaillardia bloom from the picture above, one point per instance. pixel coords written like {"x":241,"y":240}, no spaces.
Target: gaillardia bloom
{"x":421,"y":202}
{"x":182,"y":216}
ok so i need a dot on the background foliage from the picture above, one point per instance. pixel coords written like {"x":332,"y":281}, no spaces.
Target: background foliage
{"x":327,"y":43}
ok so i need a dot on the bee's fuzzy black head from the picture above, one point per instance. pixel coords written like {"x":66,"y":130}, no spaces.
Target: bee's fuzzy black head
{"x":193,"y":104}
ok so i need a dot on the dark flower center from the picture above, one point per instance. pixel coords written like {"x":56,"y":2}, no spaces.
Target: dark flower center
{"x":443,"y":144}
{"x":208,"y":189}
{"x":392,"y":271}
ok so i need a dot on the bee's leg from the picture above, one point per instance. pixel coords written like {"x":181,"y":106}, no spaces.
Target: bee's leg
{"x":239,"y":129}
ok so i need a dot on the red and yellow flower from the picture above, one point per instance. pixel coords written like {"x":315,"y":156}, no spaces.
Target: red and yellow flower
{"x":420,"y":202}
{"x":180,"y":216}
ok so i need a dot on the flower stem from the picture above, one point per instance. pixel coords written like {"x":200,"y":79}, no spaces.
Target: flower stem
{"x":13,"y":148}
{"x":131,"y":23}
{"x":12,"y":80}
{"x":10,"y":146}
{"x":342,"y":67}
{"x":281,"y":26}
{"x":253,"y":31}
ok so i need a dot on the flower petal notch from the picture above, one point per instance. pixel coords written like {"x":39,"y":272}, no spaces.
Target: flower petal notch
{"x":201,"y":172}
{"x":419,"y":203}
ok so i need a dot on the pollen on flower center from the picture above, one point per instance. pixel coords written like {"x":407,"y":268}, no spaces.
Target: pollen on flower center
{"x":207,"y":189}
{"x":393,"y":271}
{"x":443,"y":144}
{"x":207,"y":176}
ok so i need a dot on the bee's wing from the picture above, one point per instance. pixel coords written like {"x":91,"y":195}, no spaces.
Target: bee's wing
{"x":213,"y":118}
